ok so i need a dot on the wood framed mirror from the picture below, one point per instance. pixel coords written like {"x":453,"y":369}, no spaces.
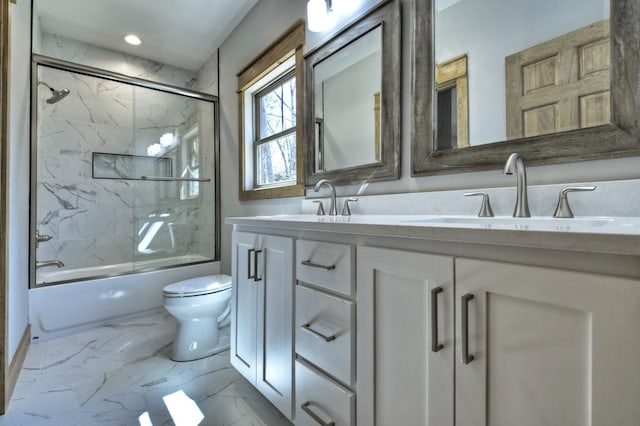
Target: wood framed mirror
{"x":352,"y":101}
{"x":615,"y":135}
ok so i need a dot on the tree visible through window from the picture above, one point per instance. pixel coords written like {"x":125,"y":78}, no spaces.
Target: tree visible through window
{"x":275,"y":146}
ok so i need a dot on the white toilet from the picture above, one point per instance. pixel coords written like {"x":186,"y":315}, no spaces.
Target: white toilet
{"x":201,"y":307}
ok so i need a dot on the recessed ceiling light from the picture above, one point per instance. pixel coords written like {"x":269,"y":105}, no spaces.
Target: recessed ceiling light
{"x":132,"y":39}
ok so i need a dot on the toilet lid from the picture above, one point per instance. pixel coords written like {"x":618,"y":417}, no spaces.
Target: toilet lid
{"x":198,"y":286}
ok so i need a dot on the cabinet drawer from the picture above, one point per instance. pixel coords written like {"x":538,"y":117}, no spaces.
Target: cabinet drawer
{"x":325,"y":332}
{"x":326,"y":265}
{"x":319,"y":397}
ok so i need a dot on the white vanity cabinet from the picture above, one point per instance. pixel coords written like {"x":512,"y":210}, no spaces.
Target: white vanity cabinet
{"x":262,"y":314}
{"x":404,"y":338}
{"x":545,"y":346}
{"x":533,"y":345}
{"x":453,"y":327}
{"x":325,"y":330}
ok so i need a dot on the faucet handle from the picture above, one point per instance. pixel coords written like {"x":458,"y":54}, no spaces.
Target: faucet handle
{"x":563,"y":210}
{"x":485,"y":207}
{"x":346,"y":211}
{"x":320,"y":211}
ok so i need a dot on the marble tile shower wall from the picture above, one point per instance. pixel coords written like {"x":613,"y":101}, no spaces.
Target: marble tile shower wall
{"x":93,"y":221}
{"x":95,"y":56}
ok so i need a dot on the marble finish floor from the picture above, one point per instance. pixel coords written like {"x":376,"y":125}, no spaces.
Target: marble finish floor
{"x":119,"y":374}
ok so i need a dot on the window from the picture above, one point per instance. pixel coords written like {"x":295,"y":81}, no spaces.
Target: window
{"x":191,"y":169}
{"x":275,"y":130}
{"x":270,"y":128}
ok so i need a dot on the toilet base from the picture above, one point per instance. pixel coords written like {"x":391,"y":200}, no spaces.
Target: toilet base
{"x":187,"y":347}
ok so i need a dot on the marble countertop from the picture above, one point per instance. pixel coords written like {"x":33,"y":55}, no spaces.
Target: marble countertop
{"x":612,"y":235}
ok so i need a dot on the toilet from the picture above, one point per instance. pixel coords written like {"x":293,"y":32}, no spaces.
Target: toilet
{"x":201,"y":306}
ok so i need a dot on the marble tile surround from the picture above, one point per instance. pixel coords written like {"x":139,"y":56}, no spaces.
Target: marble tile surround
{"x":93,"y":221}
{"x":114,"y":374}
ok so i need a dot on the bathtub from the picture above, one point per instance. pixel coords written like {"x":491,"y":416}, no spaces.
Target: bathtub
{"x":64,"y":309}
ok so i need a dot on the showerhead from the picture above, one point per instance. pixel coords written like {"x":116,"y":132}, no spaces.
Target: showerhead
{"x":56,"y":95}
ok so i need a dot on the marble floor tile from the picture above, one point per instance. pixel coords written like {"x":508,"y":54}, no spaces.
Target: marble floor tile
{"x":119,"y":374}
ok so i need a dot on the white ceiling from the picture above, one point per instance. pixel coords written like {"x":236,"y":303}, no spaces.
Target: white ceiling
{"x":182,"y":33}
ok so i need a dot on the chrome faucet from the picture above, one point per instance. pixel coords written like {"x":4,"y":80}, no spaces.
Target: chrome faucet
{"x":41,"y":238}
{"x":333,"y":210}
{"x":43,"y":263}
{"x":516,"y":164}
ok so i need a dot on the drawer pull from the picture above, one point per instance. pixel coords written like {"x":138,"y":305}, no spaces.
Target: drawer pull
{"x":315,"y":265}
{"x":305,"y":407}
{"x":307,"y":327}
{"x":253,"y":276}
{"x":435,"y":347}
{"x":249,"y":275}
{"x":255,"y":264}
{"x":466,"y":358}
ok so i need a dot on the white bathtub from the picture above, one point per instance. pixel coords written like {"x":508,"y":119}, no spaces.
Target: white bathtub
{"x":64,"y":309}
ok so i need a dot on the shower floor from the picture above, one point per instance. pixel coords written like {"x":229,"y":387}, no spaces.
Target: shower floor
{"x":119,"y":374}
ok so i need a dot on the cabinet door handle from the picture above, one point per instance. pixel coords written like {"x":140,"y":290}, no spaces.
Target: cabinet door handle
{"x":249,"y":276}
{"x":305,"y":407}
{"x":315,"y":265}
{"x":435,"y":347}
{"x":308,"y":328}
{"x":466,"y":358}
{"x":255,"y":264}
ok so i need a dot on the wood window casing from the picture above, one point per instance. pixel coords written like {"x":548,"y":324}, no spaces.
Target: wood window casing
{"x":450,"y":74}
{"x":290,"y":44}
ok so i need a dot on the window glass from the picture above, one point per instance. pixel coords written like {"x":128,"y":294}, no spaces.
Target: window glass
{"x":275,"y":149}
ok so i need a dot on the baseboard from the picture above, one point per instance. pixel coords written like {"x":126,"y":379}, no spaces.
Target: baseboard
{"x":16,"y":364}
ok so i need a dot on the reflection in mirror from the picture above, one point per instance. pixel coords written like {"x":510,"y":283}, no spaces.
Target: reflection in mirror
{"x":534,"y":67}
{"x":347,"y":104}
{"x":556,"y":81}
{"x":353,"y":101}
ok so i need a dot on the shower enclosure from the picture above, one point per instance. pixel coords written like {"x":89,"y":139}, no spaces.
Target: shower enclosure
{"x":124,"y":174}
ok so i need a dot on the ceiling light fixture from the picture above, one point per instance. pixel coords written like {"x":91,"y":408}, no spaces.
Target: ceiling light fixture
{"x":132,"y":39}
{"x":166,"y":140}
{"x":318,"y":15}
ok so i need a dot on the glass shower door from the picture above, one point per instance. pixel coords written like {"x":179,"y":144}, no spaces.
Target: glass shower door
{"x":124,"y":178}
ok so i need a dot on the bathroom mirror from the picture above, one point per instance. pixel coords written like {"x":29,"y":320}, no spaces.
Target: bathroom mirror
{"x":352,"y":92}
{"x":554,"y":93}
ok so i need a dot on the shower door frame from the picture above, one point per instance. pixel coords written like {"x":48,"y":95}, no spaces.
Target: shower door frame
{"x":50,"y":62}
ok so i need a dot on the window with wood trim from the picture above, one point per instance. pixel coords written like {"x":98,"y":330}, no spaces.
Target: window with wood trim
{"x":452,"y":104}
{"x":270,"y":96}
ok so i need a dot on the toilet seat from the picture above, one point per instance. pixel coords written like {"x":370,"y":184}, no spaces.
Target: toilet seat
{"x":199,"y":286}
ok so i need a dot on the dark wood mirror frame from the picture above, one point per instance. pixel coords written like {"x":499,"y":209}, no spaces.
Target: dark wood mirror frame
{"x":621,"y":138}
{"x":386,"y":14}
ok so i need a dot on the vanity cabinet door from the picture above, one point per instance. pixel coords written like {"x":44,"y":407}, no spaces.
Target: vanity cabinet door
{"x":244,"y":296}
{"x":539,"y":346}
{"x":262,"y":315}
{"x":404,"y":367}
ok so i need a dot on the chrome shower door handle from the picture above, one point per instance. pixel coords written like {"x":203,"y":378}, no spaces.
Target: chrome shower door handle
{"x":466,"y":358}
{"x":435,"y":347}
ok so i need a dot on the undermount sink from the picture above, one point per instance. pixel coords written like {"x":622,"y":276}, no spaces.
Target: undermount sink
{"x":518,"y":223}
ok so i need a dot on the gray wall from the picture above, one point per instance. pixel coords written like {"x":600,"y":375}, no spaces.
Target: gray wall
{"x":270,"y":18}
